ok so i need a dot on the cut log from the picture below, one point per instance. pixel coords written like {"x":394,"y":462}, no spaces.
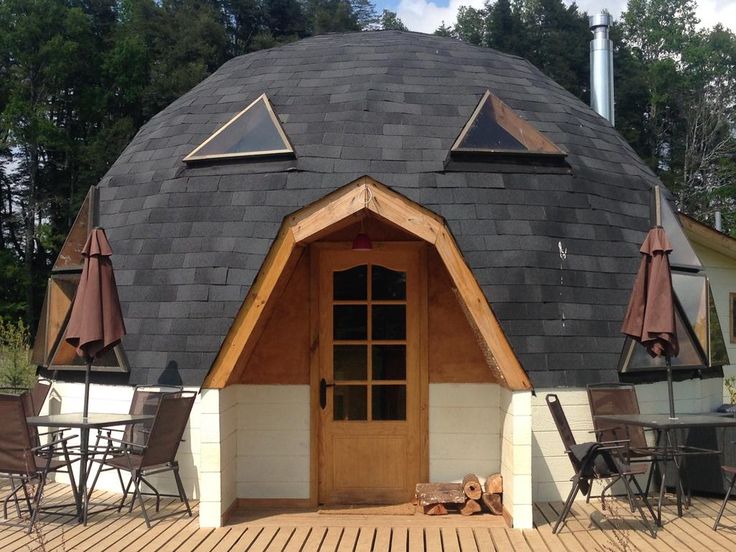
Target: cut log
{"x":435,"y":510}
{"x":470,"y":507}
{"x":439,"y":493}
{"x":494,"y":483}
{"x":471,"y":486}
{"x":494,"y":503}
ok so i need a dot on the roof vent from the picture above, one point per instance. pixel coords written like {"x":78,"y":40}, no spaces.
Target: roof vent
{"x":254,"y":132}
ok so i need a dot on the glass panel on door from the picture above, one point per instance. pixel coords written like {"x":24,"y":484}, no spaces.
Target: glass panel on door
{"x":369,"y":344}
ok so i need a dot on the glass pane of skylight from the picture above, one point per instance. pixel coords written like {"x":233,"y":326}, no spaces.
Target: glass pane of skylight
{"x":252,"y":132}
{"x":689,"y":357}
{"x":486,"y":134}
{"x":70,"y":255}
{"x":718,"y":351}
{"x":692,"y":291}
{"x":682,"y":254}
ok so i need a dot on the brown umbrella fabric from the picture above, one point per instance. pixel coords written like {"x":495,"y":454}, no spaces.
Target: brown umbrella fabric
{"x":96,"y":322}
{"x":650,"y":317}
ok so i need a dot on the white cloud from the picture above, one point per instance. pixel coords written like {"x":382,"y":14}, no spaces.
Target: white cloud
{"x":425,"y":15}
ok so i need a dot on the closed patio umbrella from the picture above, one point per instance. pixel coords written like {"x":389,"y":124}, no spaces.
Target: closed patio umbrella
{"x":650,"y":316}
{"x":96,"y":321}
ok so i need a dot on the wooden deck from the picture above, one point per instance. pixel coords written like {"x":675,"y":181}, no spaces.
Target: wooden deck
{"x":589,"y":529}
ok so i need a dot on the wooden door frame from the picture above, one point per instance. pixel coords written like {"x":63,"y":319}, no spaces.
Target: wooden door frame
{"x":315,"y":250}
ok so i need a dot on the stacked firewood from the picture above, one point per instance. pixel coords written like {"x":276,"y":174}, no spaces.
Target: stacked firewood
{"x":467,"y":498}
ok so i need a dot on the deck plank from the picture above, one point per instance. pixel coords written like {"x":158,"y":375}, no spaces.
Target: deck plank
{"x":548,"y":518}
{"x":264,"y":539}
{"x":399,"y":539}
{"x":517,"y":540}
{"x":297,"y":540}
{"x":585,"y":535}
{"x":348,"y":539}
{"x":365,"y":539}
{"x":449,"y":539}
{"x":483,"y":539}
{"x":314,"y":540}
{"x":467,"y":540}
{"x":382,"y":542}
{"x":230,"y":540}
{"x":416,"y":539}
{"x":433,"y":538}
{"x":332,"y":539}
{"x":501,"y":540}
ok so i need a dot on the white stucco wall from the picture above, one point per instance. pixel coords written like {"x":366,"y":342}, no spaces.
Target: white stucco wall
{"x":273,"y":441}
{"x":551,"y":468}
{"x":464,"y":430}
{"x":721,"y":272}
{"x":515,"y":408}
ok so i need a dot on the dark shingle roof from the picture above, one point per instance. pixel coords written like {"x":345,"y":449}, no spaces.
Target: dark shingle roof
{"x":189,"y":241}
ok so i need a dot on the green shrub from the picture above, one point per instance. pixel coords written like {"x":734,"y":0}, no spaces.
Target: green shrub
{"x":16,"y":369}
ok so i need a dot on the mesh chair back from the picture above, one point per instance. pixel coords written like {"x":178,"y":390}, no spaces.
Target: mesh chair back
{"x":615,"y":399}
{"x":145,"y":401}
{"x":15,"y":439}
{"x":167,"y":429}
{"x":558,"y":415}
{"x":39,"y":392}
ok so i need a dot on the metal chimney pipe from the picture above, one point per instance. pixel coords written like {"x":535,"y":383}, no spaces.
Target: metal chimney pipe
{"x":601,"y":66}
{"x":719,"y":221}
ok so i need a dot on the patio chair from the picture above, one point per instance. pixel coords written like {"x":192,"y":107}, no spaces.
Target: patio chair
{"x":597,"y":461}
{"x":727,"y":471}
{"x":157,"y":455}
{"x":615,"y":398}
{"x":145,"y":401}
{"x":22,"y":461}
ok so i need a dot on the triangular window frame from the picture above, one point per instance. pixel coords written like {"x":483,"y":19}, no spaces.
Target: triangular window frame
{"x":288,"y":150}
{"x":534,"y":142}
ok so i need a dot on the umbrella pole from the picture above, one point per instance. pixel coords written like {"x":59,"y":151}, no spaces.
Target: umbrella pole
{"x":86,"y":388}
{"x":670,"y":392}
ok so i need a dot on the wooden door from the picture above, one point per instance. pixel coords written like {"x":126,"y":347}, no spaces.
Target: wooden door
{"x":370,"y":398}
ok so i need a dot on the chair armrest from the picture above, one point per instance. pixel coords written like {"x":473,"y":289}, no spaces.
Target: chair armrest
{"x":124,"y":443}
{"x":52,"y":444}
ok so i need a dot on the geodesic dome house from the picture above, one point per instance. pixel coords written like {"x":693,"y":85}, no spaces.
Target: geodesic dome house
{"x":368,"y":250}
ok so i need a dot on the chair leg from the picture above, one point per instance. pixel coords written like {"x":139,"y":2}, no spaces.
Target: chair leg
{"x":37,"y":501}
{"x":627,"y":485}
{"x":137,"y":491}
{"x":645,"y":498}
{"x":155,"y":492}
{"x":182,"y":492}
{"x":568,"y":503}
{"x":126,"y":489}
{"x":725,"y":501}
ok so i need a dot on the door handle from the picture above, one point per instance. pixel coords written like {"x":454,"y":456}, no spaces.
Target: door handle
{"x":323,"y":385}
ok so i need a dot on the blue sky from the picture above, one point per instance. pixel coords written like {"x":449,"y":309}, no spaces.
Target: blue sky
{"x":426,"y":15}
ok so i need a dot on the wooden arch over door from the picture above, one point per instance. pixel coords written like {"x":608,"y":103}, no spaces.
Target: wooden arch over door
{"x":335,"y":211}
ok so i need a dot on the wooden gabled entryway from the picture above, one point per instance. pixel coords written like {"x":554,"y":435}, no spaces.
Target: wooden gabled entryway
{"x":372,"y":379}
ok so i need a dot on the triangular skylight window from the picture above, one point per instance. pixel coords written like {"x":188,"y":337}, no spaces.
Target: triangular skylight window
{"x":683,"y":255}
{"x":635,"y":357}
{"x":495,"y":128}
{"x":255,"y":131}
